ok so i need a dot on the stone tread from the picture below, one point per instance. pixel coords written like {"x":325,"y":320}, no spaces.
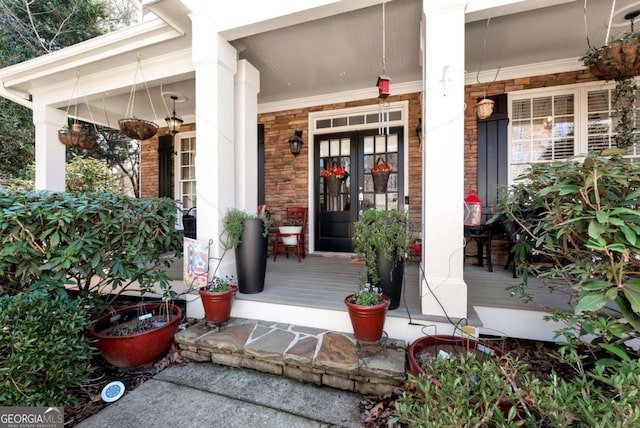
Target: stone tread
{"x":309,"y":354}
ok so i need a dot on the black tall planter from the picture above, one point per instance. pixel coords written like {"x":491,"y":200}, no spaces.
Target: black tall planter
{"x":390,"y":273}
{"x":251,"y":257}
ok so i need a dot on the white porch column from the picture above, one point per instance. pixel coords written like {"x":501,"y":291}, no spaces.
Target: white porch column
{"x":215,"y":65}
{"x":246,"y":99}
{"x":50,"y":153}
{"x":443,"y":158}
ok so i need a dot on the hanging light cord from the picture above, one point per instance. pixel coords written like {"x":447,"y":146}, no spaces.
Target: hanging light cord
{"x":384,"y":59}
{"x":484,"y":46}
{"x":613,"y":7}
{"x":586,"y":31}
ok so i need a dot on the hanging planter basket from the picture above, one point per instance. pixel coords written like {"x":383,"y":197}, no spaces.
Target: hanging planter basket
{"x":78,"y":135}
{"x":80,"y":139}
{"x":380,"y":173}
{"x":484,"y":108}
{"x":132,"y":127}
{"x":334,"y":185}
{"x":138,"y":129}
{"x":618,"y":60}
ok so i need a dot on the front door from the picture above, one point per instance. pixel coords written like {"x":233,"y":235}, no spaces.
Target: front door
{"x":356,"y":152}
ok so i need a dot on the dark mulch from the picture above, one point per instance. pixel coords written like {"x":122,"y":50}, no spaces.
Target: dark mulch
{"x":88,"y":400}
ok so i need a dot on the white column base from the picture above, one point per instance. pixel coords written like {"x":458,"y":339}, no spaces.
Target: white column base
{"x":449,"y":293}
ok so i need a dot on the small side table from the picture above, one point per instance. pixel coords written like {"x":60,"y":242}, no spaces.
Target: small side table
{"x":482,"y":235}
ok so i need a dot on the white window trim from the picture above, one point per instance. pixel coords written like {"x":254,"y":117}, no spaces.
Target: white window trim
{"x":177,"y":176}
{"x":580,"y":91}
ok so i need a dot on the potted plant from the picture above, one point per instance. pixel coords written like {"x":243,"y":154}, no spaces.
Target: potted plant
{"x":367,"y":310}
{"x":383,"y":238}
{"x":247,"y":234}
{"x":217,"y":297}
{"x":426,"y":349}
{"x":619,"y":60}
{"x":290,"y":227}
{"x":334,"y":177}
{"x":380,"y":173}
{"x":136,"y":335}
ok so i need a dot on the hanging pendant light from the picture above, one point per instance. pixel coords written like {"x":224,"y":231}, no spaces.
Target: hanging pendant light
{"x":174,"y":122}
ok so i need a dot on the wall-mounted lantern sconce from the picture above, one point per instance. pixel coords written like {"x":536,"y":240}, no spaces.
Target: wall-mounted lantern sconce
{"x":419,"y":131}
{"x":174,"y":122}
{"x":295,"y":142}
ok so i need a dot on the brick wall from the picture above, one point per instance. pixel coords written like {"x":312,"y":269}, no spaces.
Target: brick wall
{"x":149,"y":183}
{"x":287,"y":177}
{"x":472,"y":93}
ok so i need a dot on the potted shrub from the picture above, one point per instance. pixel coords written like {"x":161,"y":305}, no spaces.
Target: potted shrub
{"x":217,"y":297}
{"x":247,"y":234}
{"x":367,"y":310}
{"x":383,"y":238}
{"x":291,"y":226}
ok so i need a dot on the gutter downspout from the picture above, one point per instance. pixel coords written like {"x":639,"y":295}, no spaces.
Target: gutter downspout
{"x":11,"y":96}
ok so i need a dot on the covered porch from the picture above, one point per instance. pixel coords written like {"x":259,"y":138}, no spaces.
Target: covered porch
{"x":312,"y":294}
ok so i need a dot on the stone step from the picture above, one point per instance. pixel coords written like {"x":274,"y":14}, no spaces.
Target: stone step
{"x":306,"y":354}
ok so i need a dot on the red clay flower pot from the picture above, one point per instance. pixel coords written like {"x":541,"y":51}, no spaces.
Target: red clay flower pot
{"x":445,"y":343}
{"x":367,"y":321}
{"x":136,"y":349}
{"x":217,"y":305}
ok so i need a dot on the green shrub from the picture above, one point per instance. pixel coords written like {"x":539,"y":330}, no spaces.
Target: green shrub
{"x":583,"y":217}
{"x":468,"y":393}
{"x":91,"y":242}
{"x":470,"y":389}
{"x":87,"y":175}
{"x":43,"y":350}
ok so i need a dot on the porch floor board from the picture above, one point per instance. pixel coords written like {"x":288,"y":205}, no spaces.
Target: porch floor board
{"x":323,"y":282}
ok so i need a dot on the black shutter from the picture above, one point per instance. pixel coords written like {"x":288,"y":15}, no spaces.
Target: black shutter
{"x":164,"y":166}
{"x":492,"y":155}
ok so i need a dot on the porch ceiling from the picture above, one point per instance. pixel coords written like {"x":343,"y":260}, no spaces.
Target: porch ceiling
{"x":343,"y":52}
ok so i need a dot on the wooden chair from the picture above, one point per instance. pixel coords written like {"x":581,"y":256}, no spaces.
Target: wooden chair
{"x":279,"y":247}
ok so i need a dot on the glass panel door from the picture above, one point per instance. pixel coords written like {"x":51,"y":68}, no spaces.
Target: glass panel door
{"x":356,"y":153}
{"x":334,"y":211}
{"x":382,"y":148}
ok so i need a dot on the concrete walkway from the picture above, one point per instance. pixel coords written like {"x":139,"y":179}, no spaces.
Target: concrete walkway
{"x":209,"y":395}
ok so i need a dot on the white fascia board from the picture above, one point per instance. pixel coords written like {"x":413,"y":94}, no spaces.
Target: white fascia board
{"x":114,"y":79}
{"x":106,"y":46}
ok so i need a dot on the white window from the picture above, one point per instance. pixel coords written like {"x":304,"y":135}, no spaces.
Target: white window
{"x":186,"y":170}
{"x":557,"y":123}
